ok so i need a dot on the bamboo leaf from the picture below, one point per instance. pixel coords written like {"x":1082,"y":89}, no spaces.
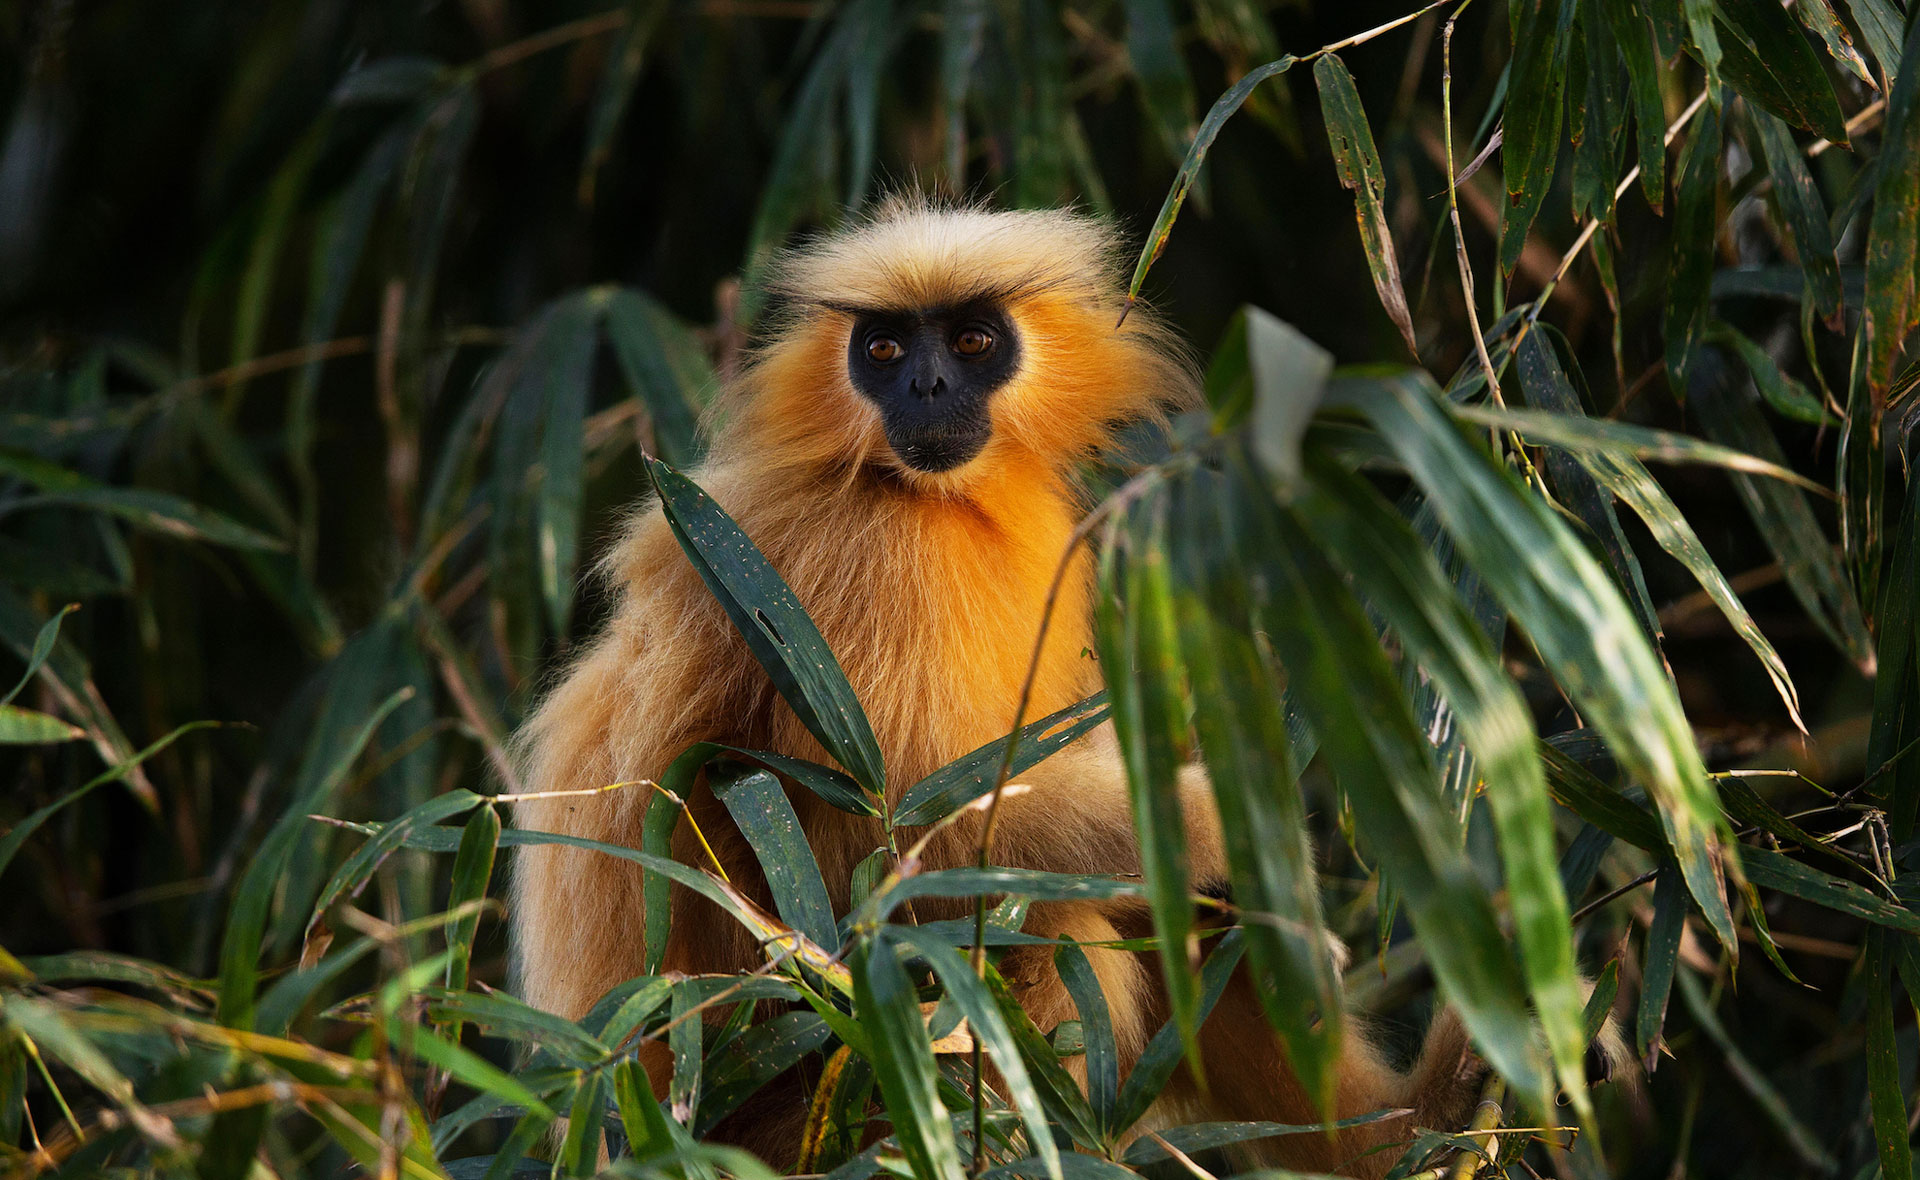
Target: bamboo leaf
{"x":767,"y":820}
{"x":1824,"y":23}
{"x":472,"y":872}
{"x":972,"y":775}
{"x":465,"y":1066}
{"x":1153,"y":1069}
{"x":1788,"y":397}
{"x":748,"y":1062}
{"x":1199,"y":1137}
{"x":540,"y":450}
{"x":903,"y":1061}
{"x":777,"y":630}
{"x":1139,"y":656}
{"x":1597,"y":116}
{"x":1603,"y":436}
{"x":1401,"y":579}
{"x":359,"y":868}
{"x":17,"y":835}
{"x":43,"y":642}
{"x":144,"y":508}
{"x":1766,"y":58}
{"x":1342,"y":681}
{"x":1576,"y":620}
{"x":664,"y":366}
{"x":832,"y":786}
{"x":246,"y":922}
{"x":1893,"y":238}
{"x":1217,"y":116}
{"x":1241,"y":722}
{"x":1635,"y":39}
{"x":1661,"y":955}
{"x":1622,"y":476}
{"x":990,"y":1029}
{"x":1694,"y":228}
{"x":25,"y":727}
{"x":1880,"y":24}
{"x":1096,"y":1032}
{"x":500,"y":1015}
{"x":1057,"y":1090}
{"x":1896,"y":719}
{"x":1861,"y":478}
{"x":1806,"y":213}
{"x":1785,"y":520}
{"x":1884,"y":1097}
{"x":1358,"y":164}
{"x":1775,"y":870}
{"x":1542,"y":37}
{"x":1546,"y":388}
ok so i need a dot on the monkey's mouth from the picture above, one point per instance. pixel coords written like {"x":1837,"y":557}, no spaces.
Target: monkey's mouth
{"x":937,"y":448}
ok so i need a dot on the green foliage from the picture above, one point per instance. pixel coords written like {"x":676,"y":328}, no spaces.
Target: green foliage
{"x":340,"y":336}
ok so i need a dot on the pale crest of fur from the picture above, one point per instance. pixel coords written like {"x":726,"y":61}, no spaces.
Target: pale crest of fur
{"x":914,"y":252}
{"x":930,"y":590}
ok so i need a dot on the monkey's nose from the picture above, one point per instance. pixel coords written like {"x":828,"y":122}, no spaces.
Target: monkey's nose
{"x":928,"y":390}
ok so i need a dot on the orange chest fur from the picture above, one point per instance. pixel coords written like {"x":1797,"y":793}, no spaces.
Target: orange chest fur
{"x":933,"y":608}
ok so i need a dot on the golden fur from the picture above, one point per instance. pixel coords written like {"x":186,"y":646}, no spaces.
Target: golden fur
{"x":929,"y":588}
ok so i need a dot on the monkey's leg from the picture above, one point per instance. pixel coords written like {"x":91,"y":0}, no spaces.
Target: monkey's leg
{"x":576,"y":914}
{"x":1250,"y":1079}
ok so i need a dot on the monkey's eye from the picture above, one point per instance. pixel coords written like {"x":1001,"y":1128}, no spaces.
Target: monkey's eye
{"x":973,"y":342}
{"x":883,"y":349}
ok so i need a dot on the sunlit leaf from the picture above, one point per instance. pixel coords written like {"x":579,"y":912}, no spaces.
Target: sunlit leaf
{"x":1576,"y":620}
{"x":1407,"y":586}
{"x":1139,"y":656}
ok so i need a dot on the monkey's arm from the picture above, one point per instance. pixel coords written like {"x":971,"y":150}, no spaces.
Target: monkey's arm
{"x":1075,"y":817}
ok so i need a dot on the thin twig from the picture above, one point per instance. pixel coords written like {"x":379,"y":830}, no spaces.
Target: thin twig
{"x":1864,"y":116}
{"x":579,"y":30}
{"x":517,"y":796}
{"x":274,"y":362}
{"x":1615,"y":894}
{"x":1453,"y":207}
{"x":1377,"y":30}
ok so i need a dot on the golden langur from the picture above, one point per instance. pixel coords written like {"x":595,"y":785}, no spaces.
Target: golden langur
{"x":903,"y":450}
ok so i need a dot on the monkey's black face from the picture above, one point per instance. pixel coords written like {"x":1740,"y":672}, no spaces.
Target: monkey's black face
{"x":931,"y":373}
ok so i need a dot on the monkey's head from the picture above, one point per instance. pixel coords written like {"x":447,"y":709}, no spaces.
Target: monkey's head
{"x":943,"y":345}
